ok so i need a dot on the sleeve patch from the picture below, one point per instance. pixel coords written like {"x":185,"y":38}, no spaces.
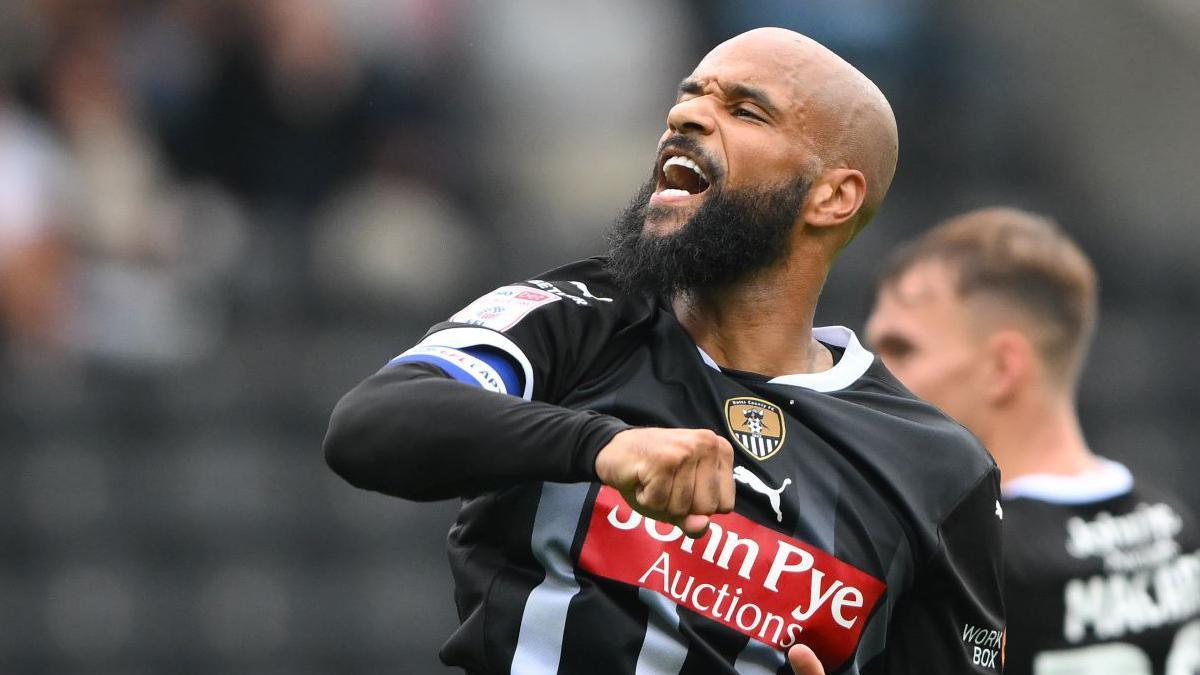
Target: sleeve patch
{"x":467,"y":337}
{"x":504,"y":307}
{"x":458,"y":364}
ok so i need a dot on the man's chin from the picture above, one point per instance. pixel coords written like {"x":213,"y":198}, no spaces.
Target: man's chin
{"x":661,"y":221}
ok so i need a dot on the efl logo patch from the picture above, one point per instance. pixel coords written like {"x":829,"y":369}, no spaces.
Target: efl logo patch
{"x":504,"y":307}
{"x":744,"y":575}
{"x":756,"y":425}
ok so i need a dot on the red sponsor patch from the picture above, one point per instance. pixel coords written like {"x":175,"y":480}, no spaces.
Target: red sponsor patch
{"x":751,"y":578}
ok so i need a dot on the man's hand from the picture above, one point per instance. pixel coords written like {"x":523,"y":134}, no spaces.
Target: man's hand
{"x":678,"y":476}
{"x":804,"y":661}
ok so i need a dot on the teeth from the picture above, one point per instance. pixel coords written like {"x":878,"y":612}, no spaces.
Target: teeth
{"x":679,"y":160}
{"x":674,"y":192}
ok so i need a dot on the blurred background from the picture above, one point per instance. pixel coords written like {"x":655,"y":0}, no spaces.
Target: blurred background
{"x":217,"y":216}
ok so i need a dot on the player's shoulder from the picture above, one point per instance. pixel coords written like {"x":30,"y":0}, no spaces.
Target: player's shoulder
{"x":586,"y":283}
{"x":1107,"y":487}
{"x":922,"y":432}
{"x":1147,"y":489}
{"x":1151,"y":501}
{"x":915,"y":443}
{"x":579,"y":292}
{"x":561,"y":326}
{"x":1164,"y":510}
{"x":932,"y":463}
{"x":588,"y":276}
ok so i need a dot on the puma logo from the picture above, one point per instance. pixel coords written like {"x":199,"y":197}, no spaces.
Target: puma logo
{"x":747,"y":477}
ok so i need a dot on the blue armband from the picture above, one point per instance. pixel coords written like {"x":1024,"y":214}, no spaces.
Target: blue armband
{"x":482,"y":366}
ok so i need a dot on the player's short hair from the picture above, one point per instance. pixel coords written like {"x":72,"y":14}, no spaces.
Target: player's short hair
{"x":1024,"y":259}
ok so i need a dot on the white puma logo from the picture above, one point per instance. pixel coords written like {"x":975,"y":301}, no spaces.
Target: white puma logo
{"x":586,"y":293}
{"x":743,"y":475}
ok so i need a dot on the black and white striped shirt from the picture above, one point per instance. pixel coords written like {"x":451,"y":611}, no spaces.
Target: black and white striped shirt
{"x":866,"y":523}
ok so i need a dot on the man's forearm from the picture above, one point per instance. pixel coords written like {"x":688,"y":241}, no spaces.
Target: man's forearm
{"x":412,"y":432}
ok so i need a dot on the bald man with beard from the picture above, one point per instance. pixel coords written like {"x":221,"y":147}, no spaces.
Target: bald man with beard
{"x":663,"y":466}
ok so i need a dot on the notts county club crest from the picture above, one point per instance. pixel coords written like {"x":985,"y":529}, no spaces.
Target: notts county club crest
{"x":757,"y":425}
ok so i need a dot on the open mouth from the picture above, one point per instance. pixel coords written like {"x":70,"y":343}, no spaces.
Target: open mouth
{"x":681,"y":177}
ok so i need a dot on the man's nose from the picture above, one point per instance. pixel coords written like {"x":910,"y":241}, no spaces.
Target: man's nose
{"x":694,"y":115}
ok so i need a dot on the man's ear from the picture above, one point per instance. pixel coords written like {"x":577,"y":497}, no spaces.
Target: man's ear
{"x":835,"y":198}
{"x":1011,"y":362}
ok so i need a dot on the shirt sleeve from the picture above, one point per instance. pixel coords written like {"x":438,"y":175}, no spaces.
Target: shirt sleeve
{"x":953,"y":622}
{"x":413,"y":432}
{"x":445,"y":418}
{"x":556,"y":329}
{"x":485,"y":367}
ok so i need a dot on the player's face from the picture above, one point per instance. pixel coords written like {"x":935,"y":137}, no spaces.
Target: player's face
{"x":737,"y":125}
{"x":924,"y":334}
{"x":729,"y":182}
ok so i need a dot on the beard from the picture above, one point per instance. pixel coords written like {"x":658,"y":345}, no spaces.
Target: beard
{"x":732,"y":235}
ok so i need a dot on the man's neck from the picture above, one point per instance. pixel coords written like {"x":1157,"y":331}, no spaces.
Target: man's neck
{"x":1040,"y":437}
{"x":761,"y":325}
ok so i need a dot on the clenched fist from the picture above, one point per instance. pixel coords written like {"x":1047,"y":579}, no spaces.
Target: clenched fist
{"x":677,"y":476}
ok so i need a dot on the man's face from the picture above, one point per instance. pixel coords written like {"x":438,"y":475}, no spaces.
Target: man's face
{"x":737,"y":124}
{"x":729,"y":180}
{"x":926,"y":336}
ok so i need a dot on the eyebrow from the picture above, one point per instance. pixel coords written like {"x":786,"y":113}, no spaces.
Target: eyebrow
{"x":733,"y":90}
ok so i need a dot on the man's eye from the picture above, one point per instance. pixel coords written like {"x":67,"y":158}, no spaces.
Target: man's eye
{"x":745,"y":112}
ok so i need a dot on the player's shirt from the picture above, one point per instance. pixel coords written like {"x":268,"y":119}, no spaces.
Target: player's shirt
{"x":866,"y":523}
{"x":1102,"y":577}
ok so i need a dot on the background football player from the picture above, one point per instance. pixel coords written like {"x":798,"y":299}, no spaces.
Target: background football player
{"x":989,"y":316}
